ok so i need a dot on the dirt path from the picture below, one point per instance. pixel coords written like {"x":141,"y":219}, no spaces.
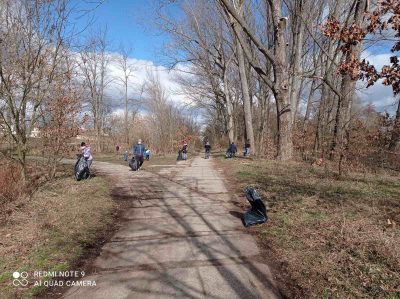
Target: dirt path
{"x":177,"y":239}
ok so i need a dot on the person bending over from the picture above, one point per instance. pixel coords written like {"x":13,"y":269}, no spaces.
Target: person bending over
{"x":233,"y":149}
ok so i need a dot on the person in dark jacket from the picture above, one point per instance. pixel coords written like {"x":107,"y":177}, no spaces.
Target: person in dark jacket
{"x":138,"y":152}
{"x":184,"y":150}
{"x":207,"y":148}
{"x":232,"y":149}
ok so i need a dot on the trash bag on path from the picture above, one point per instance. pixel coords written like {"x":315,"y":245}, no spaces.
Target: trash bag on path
{"x":258,"y":213}
{"x":81,"y":169}
{"x":133,"y":164}
{"x":180,"y":157}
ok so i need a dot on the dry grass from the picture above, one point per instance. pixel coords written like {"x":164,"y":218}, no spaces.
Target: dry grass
{"x":331,"y":235}
{"x":53,"y":229}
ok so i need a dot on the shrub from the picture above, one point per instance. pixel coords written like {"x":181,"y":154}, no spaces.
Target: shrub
{"x":10,"y":182}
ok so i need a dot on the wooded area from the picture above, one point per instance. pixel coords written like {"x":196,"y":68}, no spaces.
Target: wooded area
{"x":291,"y":78}
{"x":285,"y":75}
{"x":54,"y":87}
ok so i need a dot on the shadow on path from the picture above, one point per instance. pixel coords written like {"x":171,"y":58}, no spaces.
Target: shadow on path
{"x":179,"y":237}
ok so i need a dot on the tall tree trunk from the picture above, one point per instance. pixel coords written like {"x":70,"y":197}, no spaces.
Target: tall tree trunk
{"x":244,"y":84}
{"x":278,"y":60}
{"x":229,"y":108}
{"x":320,"y":120}
{"x":264,"y":120}
{"x":396,"y":129}
{"x":246,"y":97}
{"x":97,"y":125}
{"x":306,"y":117}
{"x":284,"y":123}
{"x":126,"y":112}
{"x":336,"y":129}
{"x":348,"y":86}
{"x":296,"y":81}
{"x":21,"y":152}
{"x":309,"y":104}
{"x":281,"y":87}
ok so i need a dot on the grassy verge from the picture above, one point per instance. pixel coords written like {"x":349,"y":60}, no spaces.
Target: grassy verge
{"x":53,"y":230}
{"x":331,"y":236}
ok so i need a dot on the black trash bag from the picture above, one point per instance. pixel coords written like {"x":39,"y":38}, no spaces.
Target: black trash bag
{"x":81,"y":169}
{"x":258,"y":213}
{"x":180,"y":157}
{"x":228,"y":154}
{"x":133,"y":164}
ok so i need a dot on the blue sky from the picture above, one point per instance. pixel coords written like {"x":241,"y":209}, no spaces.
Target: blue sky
{"x":131,"y":22}
{"x":127,"y":22}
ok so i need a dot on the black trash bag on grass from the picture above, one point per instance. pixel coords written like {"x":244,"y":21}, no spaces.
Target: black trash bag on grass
{"x":258,"y":212}
{"x":81,"y":169}
{"x":133,"y":164}
{"x":228,"y":154}
{"x":180,"y":156}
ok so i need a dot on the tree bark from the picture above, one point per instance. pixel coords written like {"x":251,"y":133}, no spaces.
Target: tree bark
{"x":284,"y":123}
{"x":248,"y":119}
{"x":246,"y":98}
{"x":396,"y":129}
{"x":296,"y":80}
{"x":127,"y":141}
{"x":309,"y":104}
{"x":348,"y":86}
{"x":229,"y":110}
{"x":281,"y":86}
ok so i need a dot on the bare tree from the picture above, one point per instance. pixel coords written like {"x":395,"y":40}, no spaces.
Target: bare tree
{"x":243,"y":76}
{"x":127,"y":69}
{"x":60,"y":116}
{"x":279,"y":62}
{"x":206,"y":43}
{"x":94,"y":61}
{"x":33,"y":43}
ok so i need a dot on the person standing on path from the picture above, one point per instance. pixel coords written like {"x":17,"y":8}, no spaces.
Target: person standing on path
{"x":87,"y":153}
{"x":207,"y":149}
{"x":184,"y":150}
{"x":138,"y":152}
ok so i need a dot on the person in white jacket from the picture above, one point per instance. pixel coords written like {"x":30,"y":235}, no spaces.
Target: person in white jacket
{"x":86,"y":151}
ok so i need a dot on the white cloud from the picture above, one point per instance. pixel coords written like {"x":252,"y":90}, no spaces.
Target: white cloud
{"x":378,"y":60}
{"x":119,"y":112}
{"x":139,"y":74}
{"x":379,"y":95}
